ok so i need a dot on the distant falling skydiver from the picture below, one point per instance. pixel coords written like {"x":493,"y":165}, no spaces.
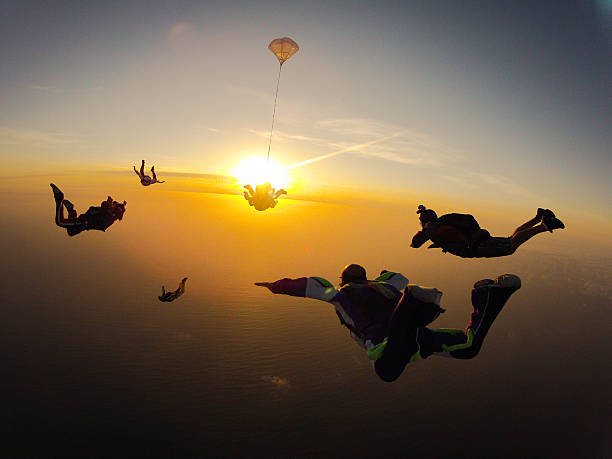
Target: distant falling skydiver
{"x":263,"y":197}
{"x":171,"y":296}
{"x":145,"y":180}
{"x":96,"y":218}
{"x":461,"y":235}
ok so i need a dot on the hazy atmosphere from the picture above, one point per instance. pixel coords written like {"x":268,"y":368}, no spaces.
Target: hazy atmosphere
{"x":487,"y":108}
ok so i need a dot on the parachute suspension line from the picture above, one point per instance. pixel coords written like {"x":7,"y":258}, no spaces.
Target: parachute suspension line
{"x":274,"y":112}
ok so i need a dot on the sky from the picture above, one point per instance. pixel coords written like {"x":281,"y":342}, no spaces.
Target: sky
{"x":486,"y":103}
{"x":482,"y":107}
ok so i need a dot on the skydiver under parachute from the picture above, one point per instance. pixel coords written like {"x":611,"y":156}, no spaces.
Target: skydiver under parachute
{"x":264,"y":196}
{"x":145,"y":180}
{"x":461,"y":235}
{"x":96,"y":218}
{"x":389,"y":317}
{"x":166,"y":297}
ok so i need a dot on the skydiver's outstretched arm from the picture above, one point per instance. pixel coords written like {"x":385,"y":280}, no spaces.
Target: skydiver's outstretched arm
{"x":309,"y":287}
{"x":419,"y":239}
{"x":137,"y":173}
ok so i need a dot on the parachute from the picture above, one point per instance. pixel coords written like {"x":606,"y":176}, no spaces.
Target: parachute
{"x":283,"y":48}
{"x":265,"y":196}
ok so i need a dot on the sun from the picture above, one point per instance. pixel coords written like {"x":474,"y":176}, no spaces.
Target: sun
{"x":255,"y":170}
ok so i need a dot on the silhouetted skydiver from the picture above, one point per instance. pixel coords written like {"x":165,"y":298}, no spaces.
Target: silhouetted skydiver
{"x":264,"y":197}
{"x":171,"y":296}
{"x":461,"y":235}
{"x":391,"y":326}
{"x":145,"y":179}
{"x":96,"y":218}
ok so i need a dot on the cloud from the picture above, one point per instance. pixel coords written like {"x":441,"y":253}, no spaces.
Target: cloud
{"x":260,"y":96}
{"x":281,"y":136}
{"x":53,"y":89}
{"x":33,"y":137}
{"x":40,"y":87}
{"x":504,"y":183}
{"x":372,"y":139}
{"x":356,"y":127}
{"x":279,"y":382}
{"x":406,"y":144}
{"x":179,"y":29}
{"x":473,"y":181}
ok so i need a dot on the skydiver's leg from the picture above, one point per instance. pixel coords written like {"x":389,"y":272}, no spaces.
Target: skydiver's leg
{"x":249,"y":188}
{"x":142,"y":169}
{"x":402,"y":346}
{"x":72,"y":223}
{"x":488,"y":299}
{"x":521,"y":236}
{"x":66,"y":222}
{"x":153,"y":172}
{"x":60,"y":220}
{"x":59,"y":214}
{"x":57,"y":195}
{"x":70,"y":208}
{"x":528,"y":224}
{"x":401,"y":349}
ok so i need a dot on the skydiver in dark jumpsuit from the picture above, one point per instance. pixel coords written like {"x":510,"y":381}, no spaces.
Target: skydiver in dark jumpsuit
{"x":96,"y":218}
{"x":461,"y":235}
{"x":263,"y":197}
{"x":171,"y":296}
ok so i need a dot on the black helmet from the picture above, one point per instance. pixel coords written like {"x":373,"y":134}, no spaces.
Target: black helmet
{"x":426,"y":215}
{"x":353,"y":273}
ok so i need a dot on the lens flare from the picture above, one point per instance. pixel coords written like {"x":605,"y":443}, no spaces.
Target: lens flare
{"x":255,"y":170}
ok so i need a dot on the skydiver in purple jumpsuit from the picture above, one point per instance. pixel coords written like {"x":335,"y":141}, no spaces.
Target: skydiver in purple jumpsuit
{"x":388,"y":317}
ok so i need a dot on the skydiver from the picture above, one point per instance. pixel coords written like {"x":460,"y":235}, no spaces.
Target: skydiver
{"x":389,"y":318}
{"x":145,"y":179}
{"x":171,"y":296}
{"x":96,"y":218}
{"x":461,"y":235}
{"x":264,"y":196}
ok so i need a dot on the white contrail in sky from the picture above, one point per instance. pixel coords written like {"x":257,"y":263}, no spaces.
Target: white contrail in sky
{"x":344,"y":150}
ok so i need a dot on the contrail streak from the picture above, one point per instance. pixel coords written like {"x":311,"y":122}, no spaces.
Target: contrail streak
{"x":344,"y":150}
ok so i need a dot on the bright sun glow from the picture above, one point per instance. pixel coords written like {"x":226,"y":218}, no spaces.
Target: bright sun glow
{"x":255,"y":171}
